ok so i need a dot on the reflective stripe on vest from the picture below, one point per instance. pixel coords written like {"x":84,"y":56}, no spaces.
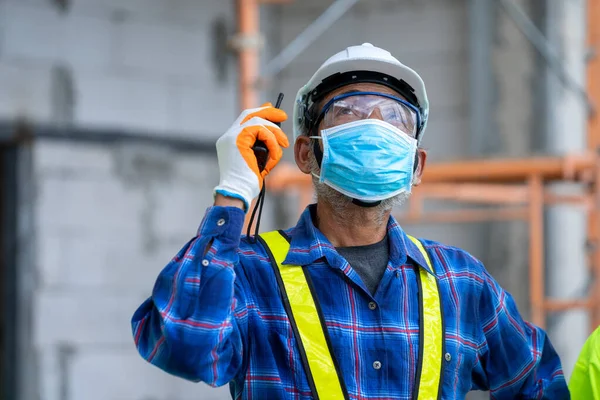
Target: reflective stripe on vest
{"x":431,"y":332}
{"x":321,"y":368}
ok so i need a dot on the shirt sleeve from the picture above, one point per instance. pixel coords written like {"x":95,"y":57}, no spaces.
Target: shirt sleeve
{"x":188,"y":326}
{"x":585,"y":380}
{"x":515,"y":358}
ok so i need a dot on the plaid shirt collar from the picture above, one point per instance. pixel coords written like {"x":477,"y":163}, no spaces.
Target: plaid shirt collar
{"x":308,"y":244}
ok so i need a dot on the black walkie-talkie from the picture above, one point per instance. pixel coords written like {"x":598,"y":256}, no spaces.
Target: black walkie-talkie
{"x":260,"y":149}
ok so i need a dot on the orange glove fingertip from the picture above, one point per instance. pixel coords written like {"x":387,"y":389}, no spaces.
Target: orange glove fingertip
{"x":271,"y":114}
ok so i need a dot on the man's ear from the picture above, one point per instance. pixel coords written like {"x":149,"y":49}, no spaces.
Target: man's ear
{"x":302,"y":153}
{"x":421,"y":160}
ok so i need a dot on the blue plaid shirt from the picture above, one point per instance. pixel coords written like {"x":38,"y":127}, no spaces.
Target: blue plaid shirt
{"x":215,"y":315}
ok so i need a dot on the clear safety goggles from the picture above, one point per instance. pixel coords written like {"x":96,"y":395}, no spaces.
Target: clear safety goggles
{"x":354,"y":106}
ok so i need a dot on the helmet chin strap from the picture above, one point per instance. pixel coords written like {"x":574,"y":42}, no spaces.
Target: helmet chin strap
{"x":366,"y":204}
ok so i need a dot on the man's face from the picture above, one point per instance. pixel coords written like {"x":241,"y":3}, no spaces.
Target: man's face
{"x":306,"y":161}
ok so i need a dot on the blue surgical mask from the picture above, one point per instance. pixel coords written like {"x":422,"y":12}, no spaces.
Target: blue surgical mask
{"x":368,"y":160}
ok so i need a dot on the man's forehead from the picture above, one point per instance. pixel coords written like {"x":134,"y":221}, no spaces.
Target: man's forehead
{"x":362,"y":87}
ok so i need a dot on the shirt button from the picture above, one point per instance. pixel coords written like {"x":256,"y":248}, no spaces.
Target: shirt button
{"x":397,"y":274}
{"x":205,"y":262}
{"x":377,"y":365}
{"x":221,"y":222}
{"x":448,"y":357}
{"x":372,"y":305}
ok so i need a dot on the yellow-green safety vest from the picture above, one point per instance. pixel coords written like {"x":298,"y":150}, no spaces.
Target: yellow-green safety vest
{"x":321,"y":368}
{"x":585,"y":379}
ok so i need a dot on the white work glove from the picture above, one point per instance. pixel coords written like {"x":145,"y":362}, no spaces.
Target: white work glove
{"x":239,"y":174}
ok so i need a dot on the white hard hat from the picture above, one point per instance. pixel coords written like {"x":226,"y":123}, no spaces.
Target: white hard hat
{"x":368,"y":62}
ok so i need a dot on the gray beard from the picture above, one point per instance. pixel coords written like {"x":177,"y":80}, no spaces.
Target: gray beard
{"x":344,"y":211}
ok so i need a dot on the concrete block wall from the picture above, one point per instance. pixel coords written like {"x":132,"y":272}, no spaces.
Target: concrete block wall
{"x":137,"y":65}
{"x":107,"y":218}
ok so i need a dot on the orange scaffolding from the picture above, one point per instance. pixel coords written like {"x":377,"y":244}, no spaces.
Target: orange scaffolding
{"x":516,"y":187}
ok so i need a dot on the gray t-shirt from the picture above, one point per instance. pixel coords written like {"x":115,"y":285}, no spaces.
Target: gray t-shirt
{"x":368,"y":261}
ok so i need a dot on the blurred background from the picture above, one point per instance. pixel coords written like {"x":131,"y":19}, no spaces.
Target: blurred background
{"x":109,"y":113}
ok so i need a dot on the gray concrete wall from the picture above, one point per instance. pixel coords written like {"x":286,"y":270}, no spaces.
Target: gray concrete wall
{"x":103,"y":219}
{"x":107,"y":220}
{"x":136,"y":65}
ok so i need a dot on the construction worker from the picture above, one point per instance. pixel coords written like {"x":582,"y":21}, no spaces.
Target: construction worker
{"x":585,"y":379}
{"x":345,"y":305}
